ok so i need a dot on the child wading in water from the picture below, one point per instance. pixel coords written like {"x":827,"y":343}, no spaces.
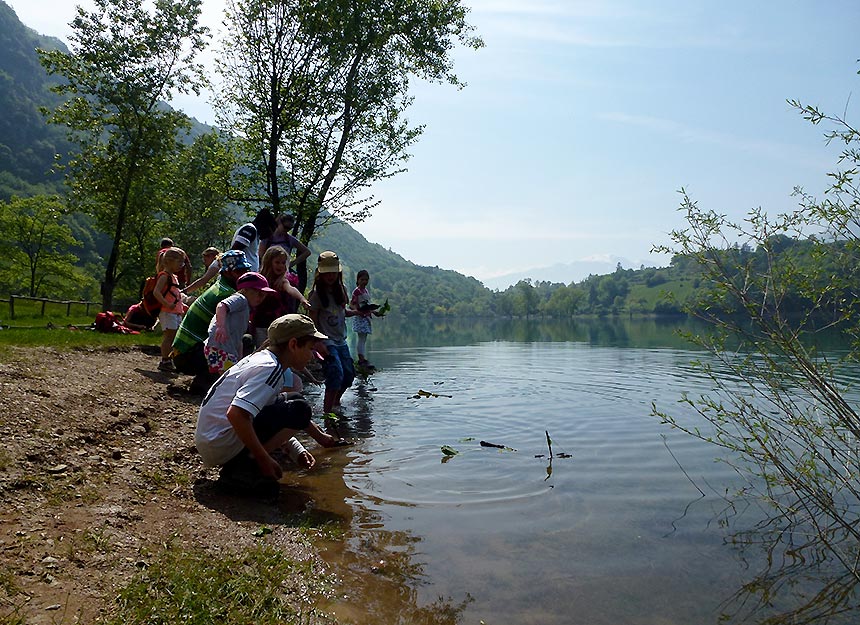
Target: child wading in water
{"x":360,"y":303}
{"x":328,"y":310}
{"x":170,"y":262}
{"x":224,"y":346}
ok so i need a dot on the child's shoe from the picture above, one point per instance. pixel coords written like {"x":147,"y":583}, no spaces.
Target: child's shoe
{"x":166,"y":365}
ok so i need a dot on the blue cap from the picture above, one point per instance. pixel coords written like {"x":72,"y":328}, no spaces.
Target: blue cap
{"x":233,"y":260}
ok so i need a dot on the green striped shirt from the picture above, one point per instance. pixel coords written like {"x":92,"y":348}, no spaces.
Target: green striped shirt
{"x":195,"y":323}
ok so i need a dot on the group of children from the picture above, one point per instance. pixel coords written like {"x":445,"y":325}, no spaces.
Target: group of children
{"x":253,"y":405}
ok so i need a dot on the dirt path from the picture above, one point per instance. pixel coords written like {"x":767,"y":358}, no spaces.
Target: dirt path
{"x":97,"y":472}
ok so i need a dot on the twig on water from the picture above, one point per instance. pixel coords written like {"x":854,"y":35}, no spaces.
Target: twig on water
{"x":548,"y":443}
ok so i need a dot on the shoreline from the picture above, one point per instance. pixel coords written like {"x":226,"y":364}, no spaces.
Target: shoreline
{"x":100,"y":480}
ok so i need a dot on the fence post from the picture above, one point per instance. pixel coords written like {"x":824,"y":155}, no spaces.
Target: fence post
{"x":11,"y":306}
{"x":68,"y":308}
{"x":43,"y":307}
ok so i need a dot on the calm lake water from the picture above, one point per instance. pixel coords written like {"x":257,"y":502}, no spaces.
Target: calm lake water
{"x":614,"y":533}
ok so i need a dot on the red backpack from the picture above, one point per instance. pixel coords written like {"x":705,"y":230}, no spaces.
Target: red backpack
{"x":108,"y":321}
{"x":149,"y":302}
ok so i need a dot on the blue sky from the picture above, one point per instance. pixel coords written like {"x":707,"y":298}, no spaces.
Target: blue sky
{"x":581,"y":120}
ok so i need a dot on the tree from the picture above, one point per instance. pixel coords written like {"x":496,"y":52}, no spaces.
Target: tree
{"x":36,"y":248}
{"x":779,"y":410}
{"x":527,"y":298}
{"x":201,"y":182}
{"x":326,"y":86}
{"x":126,"y":61}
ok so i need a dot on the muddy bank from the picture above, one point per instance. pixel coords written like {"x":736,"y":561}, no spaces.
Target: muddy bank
{"x":98,"y":473}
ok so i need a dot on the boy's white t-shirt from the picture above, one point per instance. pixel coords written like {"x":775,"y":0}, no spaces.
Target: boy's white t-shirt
{"x":250,"y":384}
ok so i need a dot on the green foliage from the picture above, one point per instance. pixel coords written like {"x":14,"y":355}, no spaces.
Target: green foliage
{"x":319,"y":91}
{"x":36,"y":252}
{"x":778,"y":410}
{"x":125,"y":61}
{"x":193,"y":587}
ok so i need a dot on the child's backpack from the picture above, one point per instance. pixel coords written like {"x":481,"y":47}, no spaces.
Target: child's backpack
{"x":108,"y":321}
{"x":138,"y":316}
{"x":148,"y":300}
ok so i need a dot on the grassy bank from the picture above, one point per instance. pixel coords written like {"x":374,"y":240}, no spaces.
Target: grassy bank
{"x":60,"y":325}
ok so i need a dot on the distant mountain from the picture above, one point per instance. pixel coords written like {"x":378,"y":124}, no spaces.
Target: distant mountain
{"x":28,"y":144}
{"x":563,"y":273}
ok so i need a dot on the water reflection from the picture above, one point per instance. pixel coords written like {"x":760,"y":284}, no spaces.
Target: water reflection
{"x":611,"y":540}
{"x":792,"y":581}
{"x":612,"y":331}
{"x":379,"y":571}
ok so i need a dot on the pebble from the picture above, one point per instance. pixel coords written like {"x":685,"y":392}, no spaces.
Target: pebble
{"x":58,"y":468}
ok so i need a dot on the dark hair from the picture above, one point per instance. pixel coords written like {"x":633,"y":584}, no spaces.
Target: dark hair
{"x":362,"y":273}
{"x":166,"y":242}
{"x":265,"y":222}
{"x":337,"y":290}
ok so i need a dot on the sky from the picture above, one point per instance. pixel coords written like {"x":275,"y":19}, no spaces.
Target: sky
{"x":581,"y":120}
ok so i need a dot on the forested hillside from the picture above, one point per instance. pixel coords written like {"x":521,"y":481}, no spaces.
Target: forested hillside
{"x":28,"y":145}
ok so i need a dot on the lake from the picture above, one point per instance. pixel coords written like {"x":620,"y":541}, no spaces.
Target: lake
{"x":610,"y":530}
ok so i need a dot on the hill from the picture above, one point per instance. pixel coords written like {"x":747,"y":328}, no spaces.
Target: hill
{"x":28,"y":145}
{"x":410,"y":288}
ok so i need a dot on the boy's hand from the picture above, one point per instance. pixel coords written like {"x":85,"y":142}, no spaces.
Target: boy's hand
{"x":269,"y":467}
{"x":306,"y":460}
{"x":221,"y":334}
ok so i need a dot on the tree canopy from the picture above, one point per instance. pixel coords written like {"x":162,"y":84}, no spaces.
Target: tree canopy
{"x":125,"y":62}
{"x":318,"y":90}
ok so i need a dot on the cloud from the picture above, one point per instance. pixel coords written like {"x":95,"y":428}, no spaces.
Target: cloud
{"x":689,"y":134}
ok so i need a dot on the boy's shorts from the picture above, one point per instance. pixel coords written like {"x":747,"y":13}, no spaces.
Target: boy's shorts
{"x":293,"y":414}
{"x":169,"y":321}
{"x":218,"y":360}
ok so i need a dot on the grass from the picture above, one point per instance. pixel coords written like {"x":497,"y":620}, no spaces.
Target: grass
{"x":62,"y":338}
{"x":56,"y":328}
{"x":194,"y":588}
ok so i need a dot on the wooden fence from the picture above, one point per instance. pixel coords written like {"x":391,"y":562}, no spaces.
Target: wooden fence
{"x":45,"y":301}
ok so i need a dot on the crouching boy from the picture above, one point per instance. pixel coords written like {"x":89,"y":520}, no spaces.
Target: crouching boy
{"x":244,"y":417}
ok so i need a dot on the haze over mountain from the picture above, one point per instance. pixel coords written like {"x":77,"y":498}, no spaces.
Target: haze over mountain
{"x":563,"y":273}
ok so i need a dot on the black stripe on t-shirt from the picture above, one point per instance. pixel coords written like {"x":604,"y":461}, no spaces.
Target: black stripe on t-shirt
{"x":276,"y":377}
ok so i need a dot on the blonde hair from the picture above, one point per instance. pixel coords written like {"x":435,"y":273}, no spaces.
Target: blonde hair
{"x":276,"y":251}
{"x":170,"y":253}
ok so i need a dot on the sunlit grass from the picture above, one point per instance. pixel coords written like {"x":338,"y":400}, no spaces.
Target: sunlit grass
{"x":194,"y":588}
{"x":56,"y":328}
